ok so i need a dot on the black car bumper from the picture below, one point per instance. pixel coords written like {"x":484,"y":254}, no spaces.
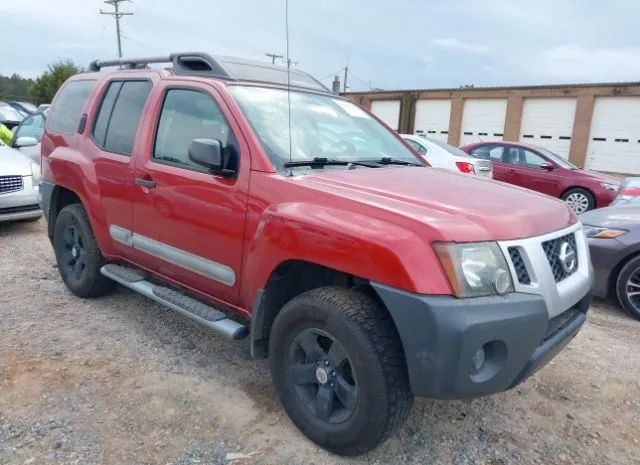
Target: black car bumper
{"x":465,"y":348}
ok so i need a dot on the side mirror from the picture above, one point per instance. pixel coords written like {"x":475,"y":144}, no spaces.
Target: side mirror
{"x":26,"y":141}
{"x":546,"y":166}
{"x":208,"y":153}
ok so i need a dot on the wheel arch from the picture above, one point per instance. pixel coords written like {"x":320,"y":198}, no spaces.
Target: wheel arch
{"x":60,"y":197}
{"x":288,"y":280}
{"x":564,"y":192}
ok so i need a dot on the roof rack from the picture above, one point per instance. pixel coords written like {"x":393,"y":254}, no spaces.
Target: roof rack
{"x":203,"y":64}
{"x":183,"y":63}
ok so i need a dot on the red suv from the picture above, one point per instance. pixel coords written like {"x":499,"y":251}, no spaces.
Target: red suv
{"x":541,"y":170}
{"x":259,"y":204}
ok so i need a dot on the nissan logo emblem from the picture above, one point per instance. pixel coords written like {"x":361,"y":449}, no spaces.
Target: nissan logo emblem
{"x":567,"y":257}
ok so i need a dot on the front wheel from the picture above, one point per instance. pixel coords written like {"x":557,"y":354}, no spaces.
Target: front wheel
{"x":579,"y":200}
{"x":339,"y":369}
{"x":628,"y":287}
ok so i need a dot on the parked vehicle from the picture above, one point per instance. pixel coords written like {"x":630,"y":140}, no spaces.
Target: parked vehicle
{"x":363,"y":275}
{"x":614,"y":239}
{"x":28,"y":135}
{"x":541,"y":170}
{"x":9,"y":116}
{"x":442,"y":155}
{"x":44,"y":107}
{"x":629,"y":191}
{"x":19,"y":180}
{"x":24,"y":108}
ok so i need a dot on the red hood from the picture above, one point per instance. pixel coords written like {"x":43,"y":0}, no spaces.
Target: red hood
{"x":594,"y":175}
{"x":445,"y":205}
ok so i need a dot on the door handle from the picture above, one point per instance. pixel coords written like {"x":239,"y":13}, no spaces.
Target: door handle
{"x":145,"y":183}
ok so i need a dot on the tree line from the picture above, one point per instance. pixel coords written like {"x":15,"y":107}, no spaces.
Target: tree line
{"x":39,"y":90}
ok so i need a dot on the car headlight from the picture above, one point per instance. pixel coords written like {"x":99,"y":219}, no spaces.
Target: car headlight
{"x":602,"y":233}
{"x":37,"y":176}
{"x":475,"y":269}
{"x":610,"y":187}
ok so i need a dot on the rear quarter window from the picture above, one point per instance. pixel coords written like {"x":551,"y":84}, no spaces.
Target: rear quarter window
{"x":66,"y":111}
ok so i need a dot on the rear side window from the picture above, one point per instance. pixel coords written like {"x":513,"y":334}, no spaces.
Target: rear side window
{"x":117,"y":122}
{"x":66,"y":112}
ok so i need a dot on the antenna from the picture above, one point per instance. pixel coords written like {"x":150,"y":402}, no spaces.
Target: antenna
{"x":286,"y":21}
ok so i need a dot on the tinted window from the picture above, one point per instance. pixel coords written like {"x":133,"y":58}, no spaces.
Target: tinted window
{"x":523,"y":157}
{"x":33,"y":126}
{"x":67,"y":110}
{"x":125,"y":116}
{"x":188,"y":115}
{"x":102,"y":121}
{"x":488,"y":152}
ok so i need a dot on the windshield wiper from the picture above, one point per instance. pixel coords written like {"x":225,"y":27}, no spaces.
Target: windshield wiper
{"x":394,"y":161}
{"x":319,"y":162}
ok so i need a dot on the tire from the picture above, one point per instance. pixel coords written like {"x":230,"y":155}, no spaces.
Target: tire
{"x":77,"y":254}
{"x":629,"y":281}
{"x":357,"y":403}
{"x":579,"y":200}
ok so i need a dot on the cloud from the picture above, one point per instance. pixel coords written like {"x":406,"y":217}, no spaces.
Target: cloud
{"x":449,"y":43}
{"x":575,"y":63}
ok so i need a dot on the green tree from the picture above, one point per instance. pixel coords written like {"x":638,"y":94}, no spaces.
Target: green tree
{"x":48,"y":83}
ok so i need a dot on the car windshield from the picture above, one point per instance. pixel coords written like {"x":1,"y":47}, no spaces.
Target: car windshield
{"x":8,"y":113}
{"x":449,"y":148}
{"x":321,"y":126}
{"x":557,"y":159}
{"x":29,"y":106}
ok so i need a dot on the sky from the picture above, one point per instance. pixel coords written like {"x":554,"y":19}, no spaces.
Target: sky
{"x":387,"y":44}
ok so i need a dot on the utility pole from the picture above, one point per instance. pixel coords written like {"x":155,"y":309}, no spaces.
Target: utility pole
{"x":273,"y":57}
{"x":117,"y":14}
{"x":346,"y":73}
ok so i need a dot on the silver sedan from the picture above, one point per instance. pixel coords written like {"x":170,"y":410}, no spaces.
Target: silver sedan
{"x":19,"y":180}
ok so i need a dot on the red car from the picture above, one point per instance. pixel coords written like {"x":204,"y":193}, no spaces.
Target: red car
{"x":541,"y":170}
{"x":363,"y":275}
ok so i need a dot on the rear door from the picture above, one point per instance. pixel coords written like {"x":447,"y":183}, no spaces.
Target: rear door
{"x":188,"y":223}
{"x":113,"y":144}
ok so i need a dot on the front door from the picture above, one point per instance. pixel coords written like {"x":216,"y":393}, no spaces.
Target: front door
{"x":525,"y":169}
{"x":188,"y":223}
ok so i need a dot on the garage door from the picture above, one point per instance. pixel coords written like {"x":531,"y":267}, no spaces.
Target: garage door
{"x":432,"y":118}
{"x":614,"y":141}
{"x":548,"y":122}
{"x":388,"y":111}
{"x":483,"y":120}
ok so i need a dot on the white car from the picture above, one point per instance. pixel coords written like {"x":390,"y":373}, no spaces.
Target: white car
{"x":28,"y":135}
{"x":19,"y":186}
{"x":442,"y":155}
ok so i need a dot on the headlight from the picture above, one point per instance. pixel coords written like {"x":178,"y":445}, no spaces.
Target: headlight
{"x":610,"y":187}
{"x":35,"y":172}
{"x":602,"y":233}
{"x":475,"y":269}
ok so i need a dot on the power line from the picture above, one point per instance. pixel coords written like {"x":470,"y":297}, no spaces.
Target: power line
{"x":117,"y":14}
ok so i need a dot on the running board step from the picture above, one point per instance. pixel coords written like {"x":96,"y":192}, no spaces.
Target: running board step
{"x":194,"y":309}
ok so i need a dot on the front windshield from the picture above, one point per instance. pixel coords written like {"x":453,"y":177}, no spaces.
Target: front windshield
{"x":321,"y":126}
{"x":8,"y":113}
{"x":557,"y":159}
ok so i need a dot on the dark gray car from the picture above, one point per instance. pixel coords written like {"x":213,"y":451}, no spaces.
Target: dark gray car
{"x":614,"y":241}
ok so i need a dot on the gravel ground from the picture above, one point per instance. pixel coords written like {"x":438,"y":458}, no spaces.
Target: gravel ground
{"x":121,"y":380}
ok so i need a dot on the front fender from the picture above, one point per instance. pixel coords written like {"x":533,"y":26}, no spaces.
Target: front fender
{"x":345,"y":241}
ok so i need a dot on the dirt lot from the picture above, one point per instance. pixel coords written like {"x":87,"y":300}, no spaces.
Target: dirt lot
{"x":120,"y":380}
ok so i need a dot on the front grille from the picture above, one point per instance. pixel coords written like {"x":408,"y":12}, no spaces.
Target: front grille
{"x":518,"y":264}
{"x":10,"y":184}
{"x":25,"y":208}
{"x":553,"y":250}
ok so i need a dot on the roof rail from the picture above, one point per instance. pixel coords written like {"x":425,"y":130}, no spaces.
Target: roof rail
{"x":237,"y":69}
{"x":185,"y":63}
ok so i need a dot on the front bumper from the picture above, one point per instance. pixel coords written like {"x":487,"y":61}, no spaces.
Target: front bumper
{"x":442,"y":335}
{"x":21,"y":204}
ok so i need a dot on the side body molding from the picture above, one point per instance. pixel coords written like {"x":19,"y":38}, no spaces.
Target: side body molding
{"x":194,"y":263}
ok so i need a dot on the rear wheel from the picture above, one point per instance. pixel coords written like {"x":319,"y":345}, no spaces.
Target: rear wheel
{"x":628,"y":287}
{"x":579,"y":200}
{"x":77,"y":253}
{"x":338,"y":366}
